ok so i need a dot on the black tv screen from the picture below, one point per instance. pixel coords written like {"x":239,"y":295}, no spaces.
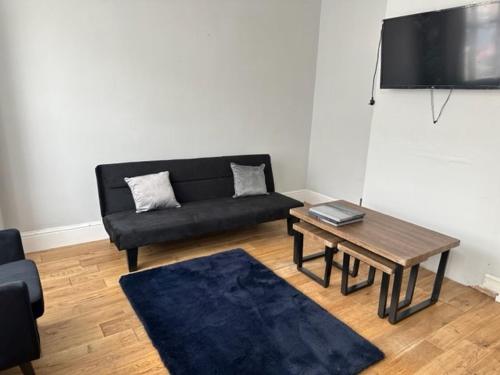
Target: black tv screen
{"x":451,"y":48}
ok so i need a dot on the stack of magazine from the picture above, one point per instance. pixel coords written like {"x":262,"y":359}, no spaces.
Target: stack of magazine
{"x":336,"y":214}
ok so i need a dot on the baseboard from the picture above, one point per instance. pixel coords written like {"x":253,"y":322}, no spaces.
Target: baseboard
{"x":50,"y":238}
{"x":309,"y":196}
{"x":492,"y":284}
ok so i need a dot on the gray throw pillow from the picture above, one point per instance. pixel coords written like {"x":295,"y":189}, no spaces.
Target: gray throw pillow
{"x":248,"y":180}
{"x":152,"y":191}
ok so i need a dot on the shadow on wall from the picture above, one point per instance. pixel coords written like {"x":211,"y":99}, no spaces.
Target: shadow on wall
{"x":10,"y":132}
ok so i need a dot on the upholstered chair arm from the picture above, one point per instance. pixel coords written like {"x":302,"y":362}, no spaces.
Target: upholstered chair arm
{"x":19,"y":339}
{"x":11,"y":247}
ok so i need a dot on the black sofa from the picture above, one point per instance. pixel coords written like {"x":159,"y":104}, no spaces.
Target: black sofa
{"x":21,"y":303}
{"x":204,"y":187}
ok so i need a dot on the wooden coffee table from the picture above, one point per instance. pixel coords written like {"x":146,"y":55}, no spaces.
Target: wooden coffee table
{"x":401,"y":242}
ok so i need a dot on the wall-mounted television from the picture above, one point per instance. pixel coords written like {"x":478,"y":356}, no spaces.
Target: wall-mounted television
{"x":452,"y":48}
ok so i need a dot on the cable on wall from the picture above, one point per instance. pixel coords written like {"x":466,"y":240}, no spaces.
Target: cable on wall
{"x":372,"y":100}
{"x":434,"y":119}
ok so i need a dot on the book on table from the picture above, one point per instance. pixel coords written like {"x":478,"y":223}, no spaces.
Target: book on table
{"x":336,"y":214}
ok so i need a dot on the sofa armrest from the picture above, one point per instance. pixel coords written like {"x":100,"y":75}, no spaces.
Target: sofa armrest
{"x":11,"y":246}
{"x":19,"y":341}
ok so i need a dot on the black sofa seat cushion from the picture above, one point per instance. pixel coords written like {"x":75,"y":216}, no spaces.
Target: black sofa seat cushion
{"x":129,"y":229}
{"x":25,"y":270}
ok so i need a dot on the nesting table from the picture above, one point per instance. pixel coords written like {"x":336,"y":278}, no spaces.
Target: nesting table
{"x":404,"y":244}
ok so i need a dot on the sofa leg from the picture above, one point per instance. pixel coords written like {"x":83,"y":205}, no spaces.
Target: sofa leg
{"x":290,"y":220}
{"x":132,"y":259}
{"x":27,"y":368}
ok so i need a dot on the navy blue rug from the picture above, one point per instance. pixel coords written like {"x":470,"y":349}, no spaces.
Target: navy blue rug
{"x":229,"y":314}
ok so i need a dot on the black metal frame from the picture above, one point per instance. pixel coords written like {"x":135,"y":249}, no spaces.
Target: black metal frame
{"x":298,"y":246}
{"x":395,"y":312}
{"x":299,"y":259}
{"x":384,"y":286}
{"x":345,"y":289}
{"x":384,"y":291}
{"x":382,"y":300}
{"x":355,"y":267}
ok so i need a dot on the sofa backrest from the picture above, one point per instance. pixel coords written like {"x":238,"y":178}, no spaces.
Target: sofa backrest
{"x":192,"y":179}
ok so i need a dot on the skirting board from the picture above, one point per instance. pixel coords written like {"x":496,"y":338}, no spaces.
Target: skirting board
{"x":309,"y":196}
{"x":50,"y":238}
{"x":492,"y":284}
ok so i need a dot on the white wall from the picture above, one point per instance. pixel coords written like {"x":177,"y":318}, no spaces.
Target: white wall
{"x":349,"y":35}
{"x":99,"y":81}
{"x":444,"y":177}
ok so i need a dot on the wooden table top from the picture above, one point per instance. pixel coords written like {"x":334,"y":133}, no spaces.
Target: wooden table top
{"x":402,"y":242}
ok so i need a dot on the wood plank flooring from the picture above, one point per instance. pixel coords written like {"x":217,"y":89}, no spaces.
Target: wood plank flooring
{"x":90,"y":328}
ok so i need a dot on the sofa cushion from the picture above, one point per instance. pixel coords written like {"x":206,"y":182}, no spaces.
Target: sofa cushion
{"x":128,"y":229}
{"x":25,"y":270}
{"x":248,"y":180}
{"x":152,"y":191}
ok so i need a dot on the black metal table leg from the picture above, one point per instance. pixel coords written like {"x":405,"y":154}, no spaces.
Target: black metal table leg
{"x":355,"y":267}
{"x":345,"y":289}
{"x":299,"y":259}
{"x":410,"y":290}
{"x":371,"y":275}
{"x":384,"y":290}
{"x":344,"y":283}
{"x":298,"y":247}
{"x":328,"y":255}
{"x":396,"y":290}
{"x":328,"y":266}
{"x":438,"y":282}
{"x":395,"y":312}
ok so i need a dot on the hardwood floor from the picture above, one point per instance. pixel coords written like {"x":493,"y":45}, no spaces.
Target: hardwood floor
{"x":89,"y":327}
